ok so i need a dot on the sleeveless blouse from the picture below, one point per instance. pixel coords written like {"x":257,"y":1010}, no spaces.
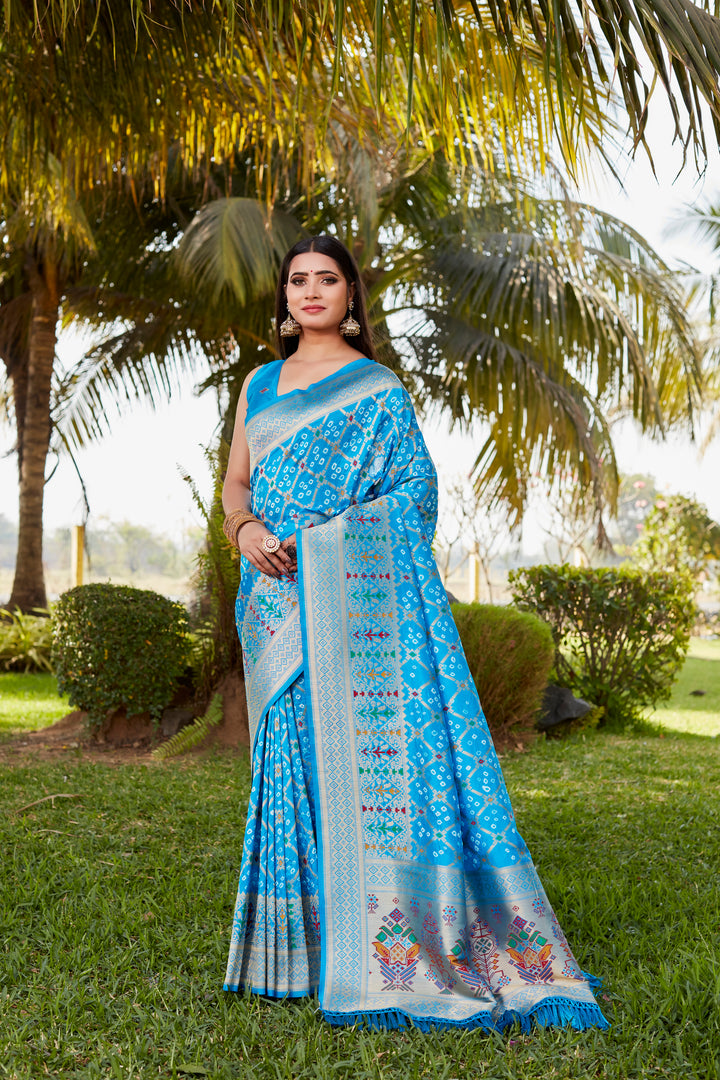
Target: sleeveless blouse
{"x":262,"y":389}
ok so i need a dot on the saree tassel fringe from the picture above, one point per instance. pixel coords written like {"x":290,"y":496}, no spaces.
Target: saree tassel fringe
{"x":552,"y":1013}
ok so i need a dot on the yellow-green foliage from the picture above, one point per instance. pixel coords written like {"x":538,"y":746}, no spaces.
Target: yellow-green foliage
{"x":194,"y":733}
{"x":25,"y":641}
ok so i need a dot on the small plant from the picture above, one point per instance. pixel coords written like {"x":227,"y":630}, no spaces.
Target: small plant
{"x":217,"y":645}
{"x":192,"y":735}
{"x":26,"y":641}
{"x":620,"y":636}
{"x":510,"y":655}
{"x":118,"y":646}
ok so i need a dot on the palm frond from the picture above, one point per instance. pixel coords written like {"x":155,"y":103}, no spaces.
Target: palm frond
{"x":235,"y":245}
{"x":538,"y":317}
{"x":194,"y":734}
{"x":581,"y":46}
{"x":703,"y":221}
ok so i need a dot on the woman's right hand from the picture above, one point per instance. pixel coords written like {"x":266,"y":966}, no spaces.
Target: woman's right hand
{"x":250,"y":544}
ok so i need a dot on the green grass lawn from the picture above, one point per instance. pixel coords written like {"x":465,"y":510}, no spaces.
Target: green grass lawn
{"x":29,"y":702}
{"x":689,"y":713}
{"x":117,"y":907}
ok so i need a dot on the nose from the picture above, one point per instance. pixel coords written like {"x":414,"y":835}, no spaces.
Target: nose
{"x":311,"y":287}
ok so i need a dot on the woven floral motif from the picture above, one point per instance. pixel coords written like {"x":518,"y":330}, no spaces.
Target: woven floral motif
{"x":529,"y":951}
{"x":397,"y":949}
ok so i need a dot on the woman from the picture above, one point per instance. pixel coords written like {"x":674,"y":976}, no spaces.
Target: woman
{"x":382,"y":867}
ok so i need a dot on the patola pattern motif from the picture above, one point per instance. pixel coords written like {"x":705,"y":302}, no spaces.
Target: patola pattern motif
{"x":429,"y":908}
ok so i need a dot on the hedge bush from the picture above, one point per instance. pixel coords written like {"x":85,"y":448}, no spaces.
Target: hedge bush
{"x":620,"y":635}
{"x":510,"y":655}
{"x":118,"y":646}
{"x":26,"y":641}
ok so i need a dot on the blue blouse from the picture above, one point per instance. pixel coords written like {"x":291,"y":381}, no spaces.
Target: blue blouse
{"x":262,"y":390}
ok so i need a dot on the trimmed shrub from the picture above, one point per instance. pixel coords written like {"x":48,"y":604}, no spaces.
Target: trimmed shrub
{"x":118,"y":646}
{"x":510,"y":655}
{"x":26,"y":641}
{"x":620,"y":636}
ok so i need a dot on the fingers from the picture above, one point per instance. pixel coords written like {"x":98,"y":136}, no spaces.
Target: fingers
{"x":275,"y":564}
{"x":281,"y":561}
{"x":282,"y":555}
{"x":289,"y":547}
{"x":278,"y":564}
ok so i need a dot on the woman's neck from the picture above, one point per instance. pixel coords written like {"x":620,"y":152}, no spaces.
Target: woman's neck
{"x":321,"y":348}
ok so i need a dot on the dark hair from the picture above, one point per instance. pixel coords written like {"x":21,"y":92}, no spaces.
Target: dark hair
{"x":325,"y":245}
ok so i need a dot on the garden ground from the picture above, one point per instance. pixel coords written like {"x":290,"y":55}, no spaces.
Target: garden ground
{"x":119,"y":881}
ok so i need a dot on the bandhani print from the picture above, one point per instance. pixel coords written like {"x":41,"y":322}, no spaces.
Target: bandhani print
{"x":382,"y":868}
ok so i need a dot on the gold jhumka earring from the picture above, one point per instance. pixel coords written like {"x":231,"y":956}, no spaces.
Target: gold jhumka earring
{"x":349,"y":327}
{"x":291,"y":327}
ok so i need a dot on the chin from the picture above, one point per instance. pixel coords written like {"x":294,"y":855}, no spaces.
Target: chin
{"x":327,"y":326}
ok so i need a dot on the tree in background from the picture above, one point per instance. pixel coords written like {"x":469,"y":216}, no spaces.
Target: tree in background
{"x":572,"y":528}
{"x":575,"y":50}
{"x":541,"y":317}
{"x":91,"y":100}
{"x":678,"y":536}
{"x":636,"y":497}
{"x":100,"y":107}
{"x":534,"y":316}
{"x":704,"y":222}
{"x":469,"y":527}
{"x":116,"y":550}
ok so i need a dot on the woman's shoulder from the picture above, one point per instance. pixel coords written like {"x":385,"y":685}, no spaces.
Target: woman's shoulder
{"x":260,"y":381}
{"x":386,"y":380}
{"x":262,"y":374}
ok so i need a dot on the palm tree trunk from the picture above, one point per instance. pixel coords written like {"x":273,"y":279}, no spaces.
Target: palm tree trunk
{"x":19,"y":382}
{"x":28,"y":590}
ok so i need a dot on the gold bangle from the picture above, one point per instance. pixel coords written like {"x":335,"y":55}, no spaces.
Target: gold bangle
{"x":233,"y":522}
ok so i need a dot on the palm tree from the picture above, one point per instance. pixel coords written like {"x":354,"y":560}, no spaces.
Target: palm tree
{"x":704,"y":222}
{"x":94,"y":112}
{"x":45,"y":240}
{"x":537,"y":316}
{"x":540,"y":319}
{"x":103,"y":98}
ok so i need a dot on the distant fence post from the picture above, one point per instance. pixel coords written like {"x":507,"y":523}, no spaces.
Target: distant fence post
{"x":77,"y":554}
{"x":473,"y":577}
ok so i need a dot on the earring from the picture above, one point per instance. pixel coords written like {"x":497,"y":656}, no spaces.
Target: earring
{"x":291,"y":327}
{"x":349,"y":327}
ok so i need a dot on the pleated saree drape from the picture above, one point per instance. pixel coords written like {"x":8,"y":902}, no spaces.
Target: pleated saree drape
{"x":382,"y":867}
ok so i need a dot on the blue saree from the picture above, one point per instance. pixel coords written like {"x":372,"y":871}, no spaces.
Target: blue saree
{"x":382,"y":867}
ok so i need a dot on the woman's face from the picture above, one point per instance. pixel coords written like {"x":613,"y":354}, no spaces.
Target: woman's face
{"x":317,"y":292}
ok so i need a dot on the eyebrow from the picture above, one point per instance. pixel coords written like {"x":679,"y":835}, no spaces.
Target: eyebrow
{"x":304,"y":273}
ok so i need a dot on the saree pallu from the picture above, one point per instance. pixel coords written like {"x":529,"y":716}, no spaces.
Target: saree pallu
{"x":382,"y":866}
